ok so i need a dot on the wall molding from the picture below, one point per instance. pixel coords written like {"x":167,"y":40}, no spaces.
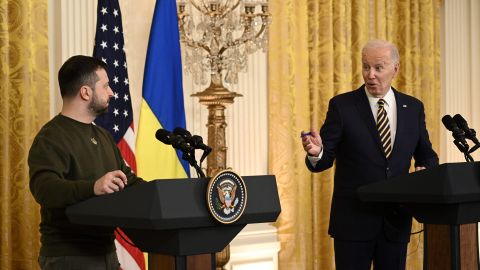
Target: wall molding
{"x":460,"y":70}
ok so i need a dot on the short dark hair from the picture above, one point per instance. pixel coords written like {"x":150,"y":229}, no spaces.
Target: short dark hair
{"x":77,"y":71}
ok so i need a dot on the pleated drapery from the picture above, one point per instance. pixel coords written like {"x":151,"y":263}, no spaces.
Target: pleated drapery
{"x":24,"y":108}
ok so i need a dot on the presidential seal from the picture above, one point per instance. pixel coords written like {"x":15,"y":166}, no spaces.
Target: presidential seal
{"x":226,"y":196}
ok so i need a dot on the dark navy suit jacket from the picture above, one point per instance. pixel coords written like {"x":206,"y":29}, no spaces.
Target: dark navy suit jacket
{"x":350,"y":137}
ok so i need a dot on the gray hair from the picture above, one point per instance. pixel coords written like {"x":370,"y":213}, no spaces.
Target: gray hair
{"x":377,"y":43}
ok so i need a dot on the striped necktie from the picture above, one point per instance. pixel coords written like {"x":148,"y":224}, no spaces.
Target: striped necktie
{"x":383,"y":127}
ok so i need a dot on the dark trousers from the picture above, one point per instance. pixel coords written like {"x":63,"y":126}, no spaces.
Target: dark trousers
{"x":359,"y":255}
{"x":105,"y":262}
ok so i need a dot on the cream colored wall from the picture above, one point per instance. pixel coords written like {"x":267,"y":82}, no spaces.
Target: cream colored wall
{"x":71,"y":31}
{"x":460,"y":70}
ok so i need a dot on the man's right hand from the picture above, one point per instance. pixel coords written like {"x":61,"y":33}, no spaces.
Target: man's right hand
{"x":312,"y":143}
{"x":109,"y":183}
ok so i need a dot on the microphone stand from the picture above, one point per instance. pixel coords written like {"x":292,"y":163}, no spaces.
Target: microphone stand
{"x":468,"y":157}
{"x":205,"y":154}
{"x":461,"y":143}
{"x":191,"y":160}
{"x":198,"y":169}
{"x":463,"y":147}
{"x":473,"y":137}
{"x":474,"y":148}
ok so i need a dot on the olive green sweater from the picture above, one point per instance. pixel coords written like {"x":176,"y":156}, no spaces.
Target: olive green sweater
{"x":65,"y":160}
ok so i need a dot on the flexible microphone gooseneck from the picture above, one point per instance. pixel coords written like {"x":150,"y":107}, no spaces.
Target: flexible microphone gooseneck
{"x":180,"y":140}
{"x":469,"y":133}
{"x":458,"y":136}
{"x":197,"y":142}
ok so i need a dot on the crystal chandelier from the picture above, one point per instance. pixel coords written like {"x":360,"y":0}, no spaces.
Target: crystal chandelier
{"x":219,"y":35}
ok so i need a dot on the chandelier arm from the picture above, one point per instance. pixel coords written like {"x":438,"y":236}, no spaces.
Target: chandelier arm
{"x":185,"y":39}
{"x":223,"y":49}
{"x":197,"y":7}
{"x":205,"y":6}
{"x":222,"y":7}
{"x":181,"y":27}
{"x":195,"y":44}
{"x":239,"y":42}
{"x":230,"y":9}
{"x":181,"y":23}
{"x":260,"y":31}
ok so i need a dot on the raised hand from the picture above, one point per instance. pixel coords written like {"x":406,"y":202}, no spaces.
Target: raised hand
{"x":312,"y":142}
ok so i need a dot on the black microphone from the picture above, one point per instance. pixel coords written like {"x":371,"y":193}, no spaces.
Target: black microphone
{"x":179,"y":140}
{"x":179,"y":143}
{"x":451,"y":125}
{"x":188,"y":150}
{"x":185,"y":134}
{"x":197,"y":142}
{"x":457,"y":133}
{"x":469,"y":133}
{"x":176,"y":141}
{"x":164,"y":136}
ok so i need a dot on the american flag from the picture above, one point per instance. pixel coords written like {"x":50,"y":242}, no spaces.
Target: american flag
{"x":109,"y":47}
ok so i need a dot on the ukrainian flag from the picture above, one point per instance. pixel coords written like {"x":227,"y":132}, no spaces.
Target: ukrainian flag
{"x":162,"y":104}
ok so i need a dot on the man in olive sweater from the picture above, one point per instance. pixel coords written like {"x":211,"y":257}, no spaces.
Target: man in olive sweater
{"x":71,"y":160}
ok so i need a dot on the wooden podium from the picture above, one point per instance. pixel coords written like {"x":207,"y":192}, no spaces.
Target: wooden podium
{"x":447,"y":200}
{"x":170,"y":220}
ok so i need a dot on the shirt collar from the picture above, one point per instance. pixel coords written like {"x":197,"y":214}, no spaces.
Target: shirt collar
{"x":389,"y":98}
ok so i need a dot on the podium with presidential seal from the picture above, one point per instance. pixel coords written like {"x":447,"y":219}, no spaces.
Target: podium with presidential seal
{"x":178,"y":218}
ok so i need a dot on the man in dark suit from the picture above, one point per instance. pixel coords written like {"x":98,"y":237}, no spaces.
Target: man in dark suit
{"x":372,"y":133}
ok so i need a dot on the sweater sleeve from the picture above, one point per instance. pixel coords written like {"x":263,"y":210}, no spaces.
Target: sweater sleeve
{"x":132,"y":178}
{"x":48,"y":163}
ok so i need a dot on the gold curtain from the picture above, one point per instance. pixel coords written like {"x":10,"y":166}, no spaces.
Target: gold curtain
{"x":315,"y":54}
{"x":24,"y":108}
